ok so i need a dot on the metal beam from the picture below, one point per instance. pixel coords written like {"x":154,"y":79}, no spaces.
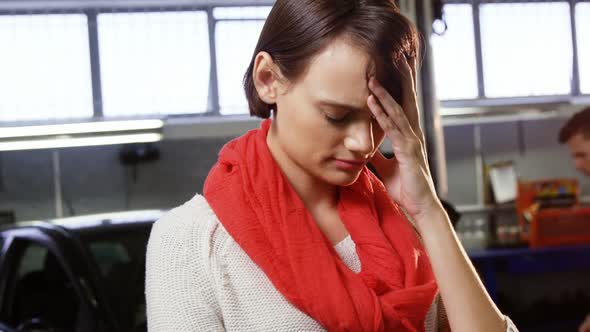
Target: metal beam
{"x":95,"y":65}
{"x":575,"y":64}
{"x":97,"y":4}
{"x":213,"y":107}
{"x":478,"y":50}
{"x":433,"y":131}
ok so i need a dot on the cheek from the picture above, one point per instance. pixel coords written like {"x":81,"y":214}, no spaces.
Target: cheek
{"x":305,"y":135}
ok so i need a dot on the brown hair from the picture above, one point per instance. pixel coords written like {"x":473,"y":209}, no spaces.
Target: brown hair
{"x":577,"y":124}
{"x":297,"y":30}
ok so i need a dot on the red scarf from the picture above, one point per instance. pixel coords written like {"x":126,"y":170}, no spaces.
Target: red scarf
{"x":263,"y":214}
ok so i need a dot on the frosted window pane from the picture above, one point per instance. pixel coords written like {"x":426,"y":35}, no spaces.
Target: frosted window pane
{"x":583,"y":32}
{"x":235,"y":41}
{"x":154,"y":63}
{"x":45,"y":67}
{"x":260,"y":12}
{"x":527,"y":49}
{"x":454,"y":55}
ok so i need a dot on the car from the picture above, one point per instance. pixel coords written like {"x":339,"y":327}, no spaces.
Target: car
{"x":75,"y":274}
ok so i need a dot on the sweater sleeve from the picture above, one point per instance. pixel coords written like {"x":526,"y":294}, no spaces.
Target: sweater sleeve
{"x":180,"y":272}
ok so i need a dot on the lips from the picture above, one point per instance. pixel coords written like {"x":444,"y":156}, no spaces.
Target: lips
{"x":350,"y":164}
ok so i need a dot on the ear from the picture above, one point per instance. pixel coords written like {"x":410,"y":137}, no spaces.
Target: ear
{"x":267,"y":77}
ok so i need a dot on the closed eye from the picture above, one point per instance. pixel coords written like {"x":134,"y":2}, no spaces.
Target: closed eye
{"x":337,"y":119}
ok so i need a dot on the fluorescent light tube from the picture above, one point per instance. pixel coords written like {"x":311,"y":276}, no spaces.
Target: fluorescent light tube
{"x":65,"y":141}
{"x":79,"y":128}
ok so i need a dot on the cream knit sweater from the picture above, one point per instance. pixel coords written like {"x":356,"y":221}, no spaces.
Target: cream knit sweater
{"x":199,"y":279}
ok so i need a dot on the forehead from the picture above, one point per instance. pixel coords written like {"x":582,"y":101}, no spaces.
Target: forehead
{"x":579,"y":142}
{"x":340,"y":72}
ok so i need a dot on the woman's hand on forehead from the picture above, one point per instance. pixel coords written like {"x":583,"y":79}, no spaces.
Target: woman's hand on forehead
{"x":407,"y":176}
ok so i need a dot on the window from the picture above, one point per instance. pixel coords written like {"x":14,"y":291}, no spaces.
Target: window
{"x":583,"y":32}
{"x":151,"y":63}
{"x":523,"y":48}
{"x":241,"y":13}
{"x":454,"y":55}
{"x":32,"y":260}
{"x":526,"y":49}
{"x":236,"y":35}
{"x":235,"y":42}
{"x":43,"y":291}
{"x":44,"y":67}
{"x":120,"y":255}
{"x":109,"y":254}
{"x":154,"y":63}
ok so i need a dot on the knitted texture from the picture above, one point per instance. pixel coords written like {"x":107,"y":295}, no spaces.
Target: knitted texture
{"x":262,"y":212}
{"x":199,"y":279}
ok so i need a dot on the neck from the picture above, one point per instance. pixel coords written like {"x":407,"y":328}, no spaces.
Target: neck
{"x":315,"y":193}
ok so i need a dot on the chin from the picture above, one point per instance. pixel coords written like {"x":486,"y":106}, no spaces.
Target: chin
{"x":341,"y":178}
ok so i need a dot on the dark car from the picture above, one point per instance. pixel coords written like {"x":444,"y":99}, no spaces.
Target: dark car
{"x":75,"y":274}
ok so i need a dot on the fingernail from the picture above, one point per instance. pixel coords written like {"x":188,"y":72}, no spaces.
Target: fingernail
{"x":374,"y":84}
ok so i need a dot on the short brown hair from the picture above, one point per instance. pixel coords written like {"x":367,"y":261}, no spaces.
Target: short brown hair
{"x":297,"y":30}
{"x":579,"y":123}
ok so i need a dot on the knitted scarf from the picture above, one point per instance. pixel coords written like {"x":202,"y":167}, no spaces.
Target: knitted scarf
{"x":262,"y":213}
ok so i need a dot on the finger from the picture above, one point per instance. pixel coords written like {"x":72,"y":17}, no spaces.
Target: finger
{"x":382,"y":94}
{"x":408,"y":72}
{"x":414,"y":65}
{"x":403,"y":144}
{"x":413,"y":62}
{"x":409,"y":102}
{"x":392,"y":111}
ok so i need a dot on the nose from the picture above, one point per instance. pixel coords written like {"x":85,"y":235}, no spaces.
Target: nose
{"x":360,"y":138}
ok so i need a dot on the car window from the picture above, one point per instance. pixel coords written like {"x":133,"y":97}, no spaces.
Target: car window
{"x":109,"y":254}
{"x":32,"y":260}
{"x":120,"y":256}
{"x":44,"y":297}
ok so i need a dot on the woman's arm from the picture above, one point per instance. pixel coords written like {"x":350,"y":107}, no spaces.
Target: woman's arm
{"x":180,"y":295}
{"x":467,"y":303}
{"x":409,"y":182}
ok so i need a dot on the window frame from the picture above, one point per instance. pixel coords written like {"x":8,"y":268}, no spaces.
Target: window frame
{"x":13,"y":254}
{"x":65,"y":248}
{"x":92,"y":11}
{"x":28,"y":12}
{"x":218,"y":107}
{"x":481,"y":100}
{"x":96,"y":69}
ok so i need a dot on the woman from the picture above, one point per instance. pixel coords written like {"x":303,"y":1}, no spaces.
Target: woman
{"x":293,"y":232}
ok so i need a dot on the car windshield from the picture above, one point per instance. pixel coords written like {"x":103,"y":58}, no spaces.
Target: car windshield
{"x":120,"y":256}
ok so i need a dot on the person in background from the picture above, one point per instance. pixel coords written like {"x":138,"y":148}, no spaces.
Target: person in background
{"x":293,"y":232}
{"x":575,"y":133}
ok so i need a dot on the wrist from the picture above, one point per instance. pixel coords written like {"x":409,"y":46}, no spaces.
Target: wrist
{"x":431,"y":216}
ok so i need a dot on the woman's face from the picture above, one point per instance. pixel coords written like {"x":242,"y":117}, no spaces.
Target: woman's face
{"x":323,"y":125}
